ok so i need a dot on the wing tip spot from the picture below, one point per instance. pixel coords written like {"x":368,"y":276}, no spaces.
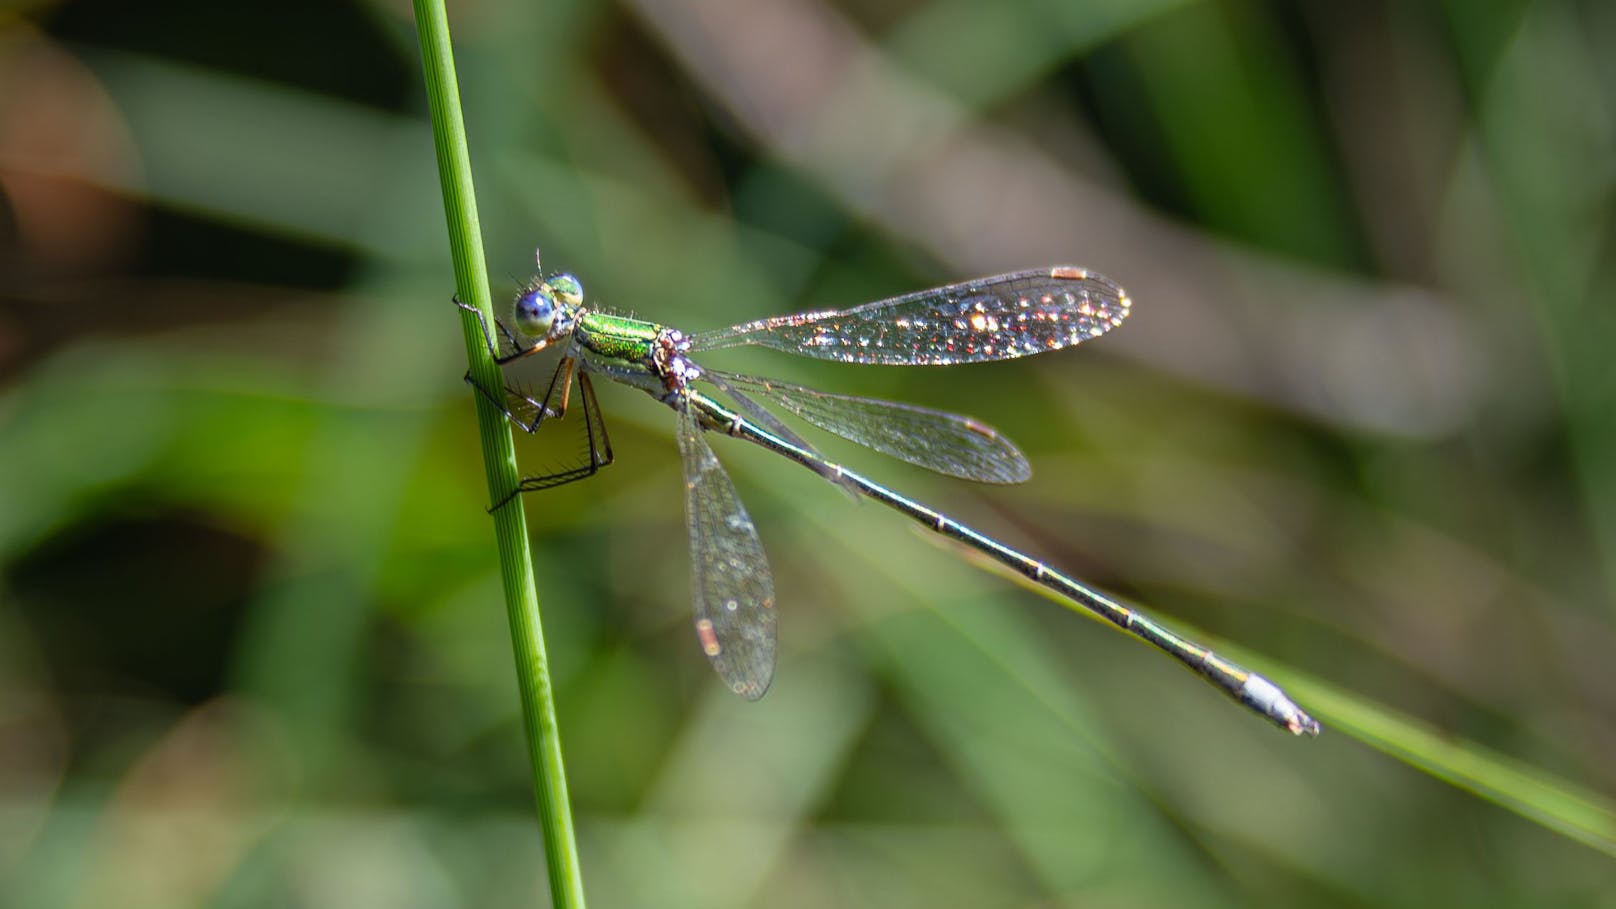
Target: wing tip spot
{"x":980,"y":428}
{"x":708,"y":637}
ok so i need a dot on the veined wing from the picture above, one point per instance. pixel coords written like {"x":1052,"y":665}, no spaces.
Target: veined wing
{"x":1012,"y":315}
{"x":729,"y":573}
{"x":721,"y":381}
{"x":945,"y":442}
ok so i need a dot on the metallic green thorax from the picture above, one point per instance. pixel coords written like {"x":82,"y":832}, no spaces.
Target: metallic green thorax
{"x":616,"y":337}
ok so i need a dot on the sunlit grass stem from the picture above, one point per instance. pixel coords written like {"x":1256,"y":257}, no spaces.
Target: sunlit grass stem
{"x":499,"y":460}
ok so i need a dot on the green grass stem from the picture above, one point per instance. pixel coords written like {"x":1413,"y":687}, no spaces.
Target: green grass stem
{"x":499,"y":459}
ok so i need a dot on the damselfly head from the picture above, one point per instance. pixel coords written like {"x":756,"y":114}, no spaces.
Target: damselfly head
{"x":548,"y":309}
{"x":536,"y":312}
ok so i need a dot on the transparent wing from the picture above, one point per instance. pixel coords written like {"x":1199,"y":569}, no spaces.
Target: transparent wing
{"x":721,"y":381}
{"x":770,"y":422}
{"x":729,"y":574}
{"x":1013,"y":315}
{"x":595,"y":447}
{"x":945,"y":442}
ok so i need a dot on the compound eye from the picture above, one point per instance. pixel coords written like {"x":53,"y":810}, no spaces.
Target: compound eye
{"x":567,"y":289}
{"x":535,"y":314}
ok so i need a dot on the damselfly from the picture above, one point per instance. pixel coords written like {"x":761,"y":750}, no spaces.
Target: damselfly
{"x":995,"y":318}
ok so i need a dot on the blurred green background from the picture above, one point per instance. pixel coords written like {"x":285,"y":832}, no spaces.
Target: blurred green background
{"x":1361,"y":425}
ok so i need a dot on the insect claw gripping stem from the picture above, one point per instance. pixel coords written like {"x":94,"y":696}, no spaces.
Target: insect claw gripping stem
{"x":488,"y":338}
{"x":553,"y":406}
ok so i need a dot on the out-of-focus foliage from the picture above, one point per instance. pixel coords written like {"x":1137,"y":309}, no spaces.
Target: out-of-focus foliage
{"x":1362,"y":423}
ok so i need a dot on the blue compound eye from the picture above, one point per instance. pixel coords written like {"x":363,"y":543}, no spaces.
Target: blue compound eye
{"x":567,"y":289}
{"x":535,"y":314}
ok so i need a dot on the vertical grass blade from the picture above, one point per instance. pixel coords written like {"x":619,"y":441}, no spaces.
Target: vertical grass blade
{"x":499,"y":458}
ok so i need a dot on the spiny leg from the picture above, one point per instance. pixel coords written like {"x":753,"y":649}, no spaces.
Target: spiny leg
{"x":598,"y":441}
{"x":523,"y":411}
{"x":516,"y":401}
{"x":528,"y":414}
{"x":555,"y":397}
{"x":597,"y":449}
